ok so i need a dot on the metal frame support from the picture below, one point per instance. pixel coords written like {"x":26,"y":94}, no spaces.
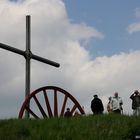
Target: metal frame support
{"x":28,"y":56}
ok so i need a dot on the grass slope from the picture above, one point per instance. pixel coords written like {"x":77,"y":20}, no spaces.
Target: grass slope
{"x":102,"y":127}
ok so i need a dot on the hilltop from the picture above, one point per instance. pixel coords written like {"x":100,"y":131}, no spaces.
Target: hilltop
{"x":102,"y":127}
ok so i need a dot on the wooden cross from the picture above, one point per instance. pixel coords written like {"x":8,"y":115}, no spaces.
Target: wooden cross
{"x":28,"y":56}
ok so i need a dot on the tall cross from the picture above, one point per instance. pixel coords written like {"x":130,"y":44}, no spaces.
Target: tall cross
{"x":28,"y":56}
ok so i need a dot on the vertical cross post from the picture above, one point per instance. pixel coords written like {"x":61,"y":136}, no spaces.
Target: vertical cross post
{"x":28,"y":57}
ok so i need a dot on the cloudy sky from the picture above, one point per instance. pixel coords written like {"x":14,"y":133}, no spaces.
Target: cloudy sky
{"x":95,"y":42}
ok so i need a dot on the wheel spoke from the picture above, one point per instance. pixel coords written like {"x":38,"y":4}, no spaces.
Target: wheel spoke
{"x":73,"y":108}
{"x":40,"y":107}
{"x":64,"y":105}
{"x":47,"y":104}
{"x":31,"y":112}
{"x":55,"y":104}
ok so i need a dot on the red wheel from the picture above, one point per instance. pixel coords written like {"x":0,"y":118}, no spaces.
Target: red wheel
{"x":49,"y":101}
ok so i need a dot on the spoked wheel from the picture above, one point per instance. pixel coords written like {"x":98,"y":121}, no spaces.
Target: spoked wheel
{"x":49,"y":101}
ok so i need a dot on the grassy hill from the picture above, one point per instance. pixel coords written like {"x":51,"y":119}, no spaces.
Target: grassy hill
{"x":102,"y":127}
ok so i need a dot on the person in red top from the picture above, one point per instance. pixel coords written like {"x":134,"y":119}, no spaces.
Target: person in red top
{"x":109,"y":105}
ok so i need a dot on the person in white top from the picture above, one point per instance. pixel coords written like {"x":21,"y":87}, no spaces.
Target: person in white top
{"x":117,"y":103}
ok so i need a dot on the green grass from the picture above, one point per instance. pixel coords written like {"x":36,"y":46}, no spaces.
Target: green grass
{"x":102,"y":127}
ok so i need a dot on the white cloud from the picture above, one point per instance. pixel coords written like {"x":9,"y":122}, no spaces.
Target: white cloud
{"x":55,"y":38}
{"x":83,"y":32}
{"x":137,"y":12}
{"x":134,"y":27}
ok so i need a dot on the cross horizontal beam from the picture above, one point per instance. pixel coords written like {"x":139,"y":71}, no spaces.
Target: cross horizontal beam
{"x":12,"y":49}
{"x":30,"y":55}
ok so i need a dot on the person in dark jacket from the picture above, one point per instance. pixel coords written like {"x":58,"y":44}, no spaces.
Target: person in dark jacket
{"x":68,"y":113}
{"x":135,"y":97}
{"x":97,"y":105}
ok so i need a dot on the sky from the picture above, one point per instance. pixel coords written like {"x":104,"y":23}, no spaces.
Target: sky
{"x":96,"y":43}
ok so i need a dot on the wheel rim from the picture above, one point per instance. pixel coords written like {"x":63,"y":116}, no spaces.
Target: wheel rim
{"x":53,"y":108}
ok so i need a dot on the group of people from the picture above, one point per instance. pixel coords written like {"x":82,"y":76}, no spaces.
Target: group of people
{"x":115,"y":104}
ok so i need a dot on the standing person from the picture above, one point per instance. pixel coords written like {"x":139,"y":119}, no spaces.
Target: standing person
{"x":109,"y":105}
{"x":117,"y":103}
{"x":97,"y":105}
{"x":68,"y":113}
{"x":76,"y":114}
{"x":135,"y":97}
